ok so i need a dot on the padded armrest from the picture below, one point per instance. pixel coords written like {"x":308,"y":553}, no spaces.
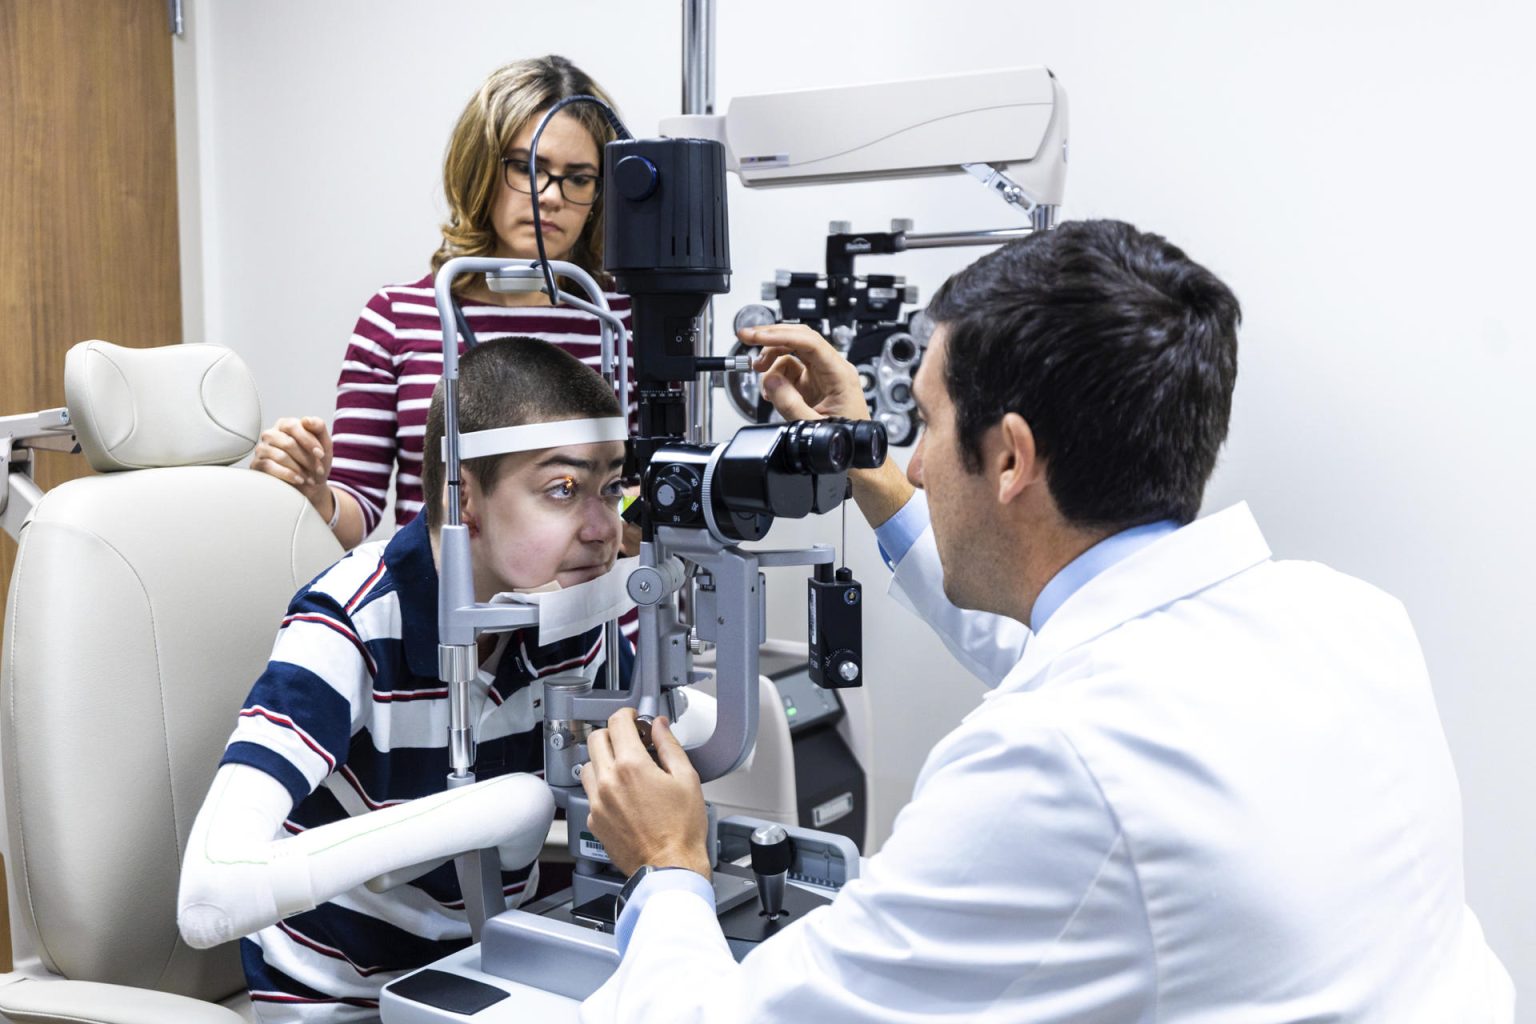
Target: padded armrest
{"x":34,"y":1001}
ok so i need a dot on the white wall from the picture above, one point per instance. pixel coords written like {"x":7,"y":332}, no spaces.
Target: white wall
{"x":1358,"y":172}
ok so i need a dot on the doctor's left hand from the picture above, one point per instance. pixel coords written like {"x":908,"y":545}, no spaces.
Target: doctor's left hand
{"x":642,"y":812}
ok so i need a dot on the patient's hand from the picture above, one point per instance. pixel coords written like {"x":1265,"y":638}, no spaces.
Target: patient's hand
{"x":644,"y":812}
{"x":298,"y":452}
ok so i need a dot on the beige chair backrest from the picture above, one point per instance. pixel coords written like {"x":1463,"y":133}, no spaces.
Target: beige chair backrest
{"x":142,"y":607}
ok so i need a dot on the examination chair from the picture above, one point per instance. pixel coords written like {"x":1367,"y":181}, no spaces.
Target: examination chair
{"x":143,"y":605}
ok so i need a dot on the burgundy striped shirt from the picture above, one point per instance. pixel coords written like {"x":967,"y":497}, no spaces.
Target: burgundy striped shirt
{"x":392,"y":364}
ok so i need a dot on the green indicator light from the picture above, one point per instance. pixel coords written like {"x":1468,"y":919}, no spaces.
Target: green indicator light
{"x":791,"y":711}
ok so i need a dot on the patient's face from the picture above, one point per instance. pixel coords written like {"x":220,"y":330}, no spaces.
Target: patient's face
{"x":553,"y":515}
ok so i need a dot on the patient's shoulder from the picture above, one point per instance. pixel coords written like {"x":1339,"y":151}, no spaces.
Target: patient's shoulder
{"x":351,"y":583}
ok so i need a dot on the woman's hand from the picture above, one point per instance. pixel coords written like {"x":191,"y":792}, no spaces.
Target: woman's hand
{"x":298,"y":452}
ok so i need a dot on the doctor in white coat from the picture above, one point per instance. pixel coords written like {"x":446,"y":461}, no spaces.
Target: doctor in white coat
{"x":1206,"y":787}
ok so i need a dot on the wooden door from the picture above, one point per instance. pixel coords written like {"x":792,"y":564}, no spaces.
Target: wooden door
{"x":88,"y":233}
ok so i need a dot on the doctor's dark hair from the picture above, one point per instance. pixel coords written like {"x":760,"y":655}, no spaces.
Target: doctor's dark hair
{"x":507,"y":383}
{"x":1117,"y":349}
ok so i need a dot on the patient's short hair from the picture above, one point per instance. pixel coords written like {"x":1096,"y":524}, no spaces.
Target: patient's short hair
{"x":506,"y":383}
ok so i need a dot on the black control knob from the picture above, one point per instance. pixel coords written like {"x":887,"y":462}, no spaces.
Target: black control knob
{"x":635,"y":178}
{"x":772,"y":854}
{"x":674,"y":489}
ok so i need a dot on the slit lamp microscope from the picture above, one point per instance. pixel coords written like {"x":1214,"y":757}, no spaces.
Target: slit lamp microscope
{"x":667,"y":246}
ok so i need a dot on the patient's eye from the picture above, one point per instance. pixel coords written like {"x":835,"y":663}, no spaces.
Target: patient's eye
{"x":563,"y":489}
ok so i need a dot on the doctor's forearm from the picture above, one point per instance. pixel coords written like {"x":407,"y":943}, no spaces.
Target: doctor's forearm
{"x":880,"y":493}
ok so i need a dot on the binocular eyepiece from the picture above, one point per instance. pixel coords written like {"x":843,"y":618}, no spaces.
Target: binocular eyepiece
{"x":737,"y":488}
{"x":833,"y":445}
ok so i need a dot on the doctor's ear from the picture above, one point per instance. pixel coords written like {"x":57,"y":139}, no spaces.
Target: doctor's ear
{"x":1018,"y":464}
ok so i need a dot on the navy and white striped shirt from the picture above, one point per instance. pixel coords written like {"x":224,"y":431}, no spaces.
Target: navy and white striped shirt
{"x":350,"y":716}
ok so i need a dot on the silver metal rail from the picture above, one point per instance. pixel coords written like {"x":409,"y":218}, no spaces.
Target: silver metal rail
{"x":957,"y":239}
{"x":699,"y":98}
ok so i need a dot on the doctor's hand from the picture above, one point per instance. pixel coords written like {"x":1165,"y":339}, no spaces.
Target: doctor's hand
{"x":807,"y":379}
{"x":641,"y":811}
{"x":803,"y":375}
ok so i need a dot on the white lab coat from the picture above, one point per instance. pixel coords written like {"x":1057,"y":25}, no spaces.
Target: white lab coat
{"x":1214,"y":788}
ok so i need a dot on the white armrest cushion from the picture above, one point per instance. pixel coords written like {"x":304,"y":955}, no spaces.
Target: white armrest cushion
{"x":32,"y":1001}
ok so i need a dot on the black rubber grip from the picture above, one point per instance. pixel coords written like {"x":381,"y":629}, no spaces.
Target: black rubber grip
{"x":773,"y":858}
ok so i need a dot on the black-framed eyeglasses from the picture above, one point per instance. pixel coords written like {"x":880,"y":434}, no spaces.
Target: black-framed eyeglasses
{"x":581,"y":188}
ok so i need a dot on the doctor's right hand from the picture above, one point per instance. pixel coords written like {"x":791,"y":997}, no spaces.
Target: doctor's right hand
{"x":807,"y":379}
{"x":298,"y":452}
{"x":803,"y":375}
{"x":644,"y":810}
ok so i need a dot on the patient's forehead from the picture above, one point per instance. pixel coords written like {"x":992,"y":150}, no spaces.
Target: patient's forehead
{"x":597,"y":457}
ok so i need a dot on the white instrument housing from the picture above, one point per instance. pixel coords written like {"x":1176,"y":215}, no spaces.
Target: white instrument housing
{"x":1013,"y":119}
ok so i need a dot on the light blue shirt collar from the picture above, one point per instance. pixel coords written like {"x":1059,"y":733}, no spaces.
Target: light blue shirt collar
{"x":1090,"y":563}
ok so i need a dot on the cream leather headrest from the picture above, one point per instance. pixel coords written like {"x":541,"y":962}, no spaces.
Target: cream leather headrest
{"x":177,"y":405}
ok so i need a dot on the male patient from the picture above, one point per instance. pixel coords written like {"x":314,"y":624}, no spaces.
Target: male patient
{"x":1211,"y":787}
{"x":336,"y":770}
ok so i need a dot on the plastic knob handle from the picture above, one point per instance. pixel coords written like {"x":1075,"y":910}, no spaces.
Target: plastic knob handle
{"x":772,"y":855}
{"x":635,"y":178}
{"x":772,"y":851}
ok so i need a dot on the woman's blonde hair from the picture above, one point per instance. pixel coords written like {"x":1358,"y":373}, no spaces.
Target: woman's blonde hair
{"x":503,"y":107}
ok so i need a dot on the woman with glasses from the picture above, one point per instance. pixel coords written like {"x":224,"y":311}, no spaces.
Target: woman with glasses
{"x":395,"y":356}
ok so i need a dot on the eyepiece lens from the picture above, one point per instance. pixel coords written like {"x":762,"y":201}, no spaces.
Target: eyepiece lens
{"x":822,"y":446}
{"x":869,"y":444}
{"x":840,"y":449}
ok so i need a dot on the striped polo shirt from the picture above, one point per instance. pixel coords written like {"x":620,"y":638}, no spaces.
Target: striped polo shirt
{"x":350,"y":716}
{"x":393,"y":362}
